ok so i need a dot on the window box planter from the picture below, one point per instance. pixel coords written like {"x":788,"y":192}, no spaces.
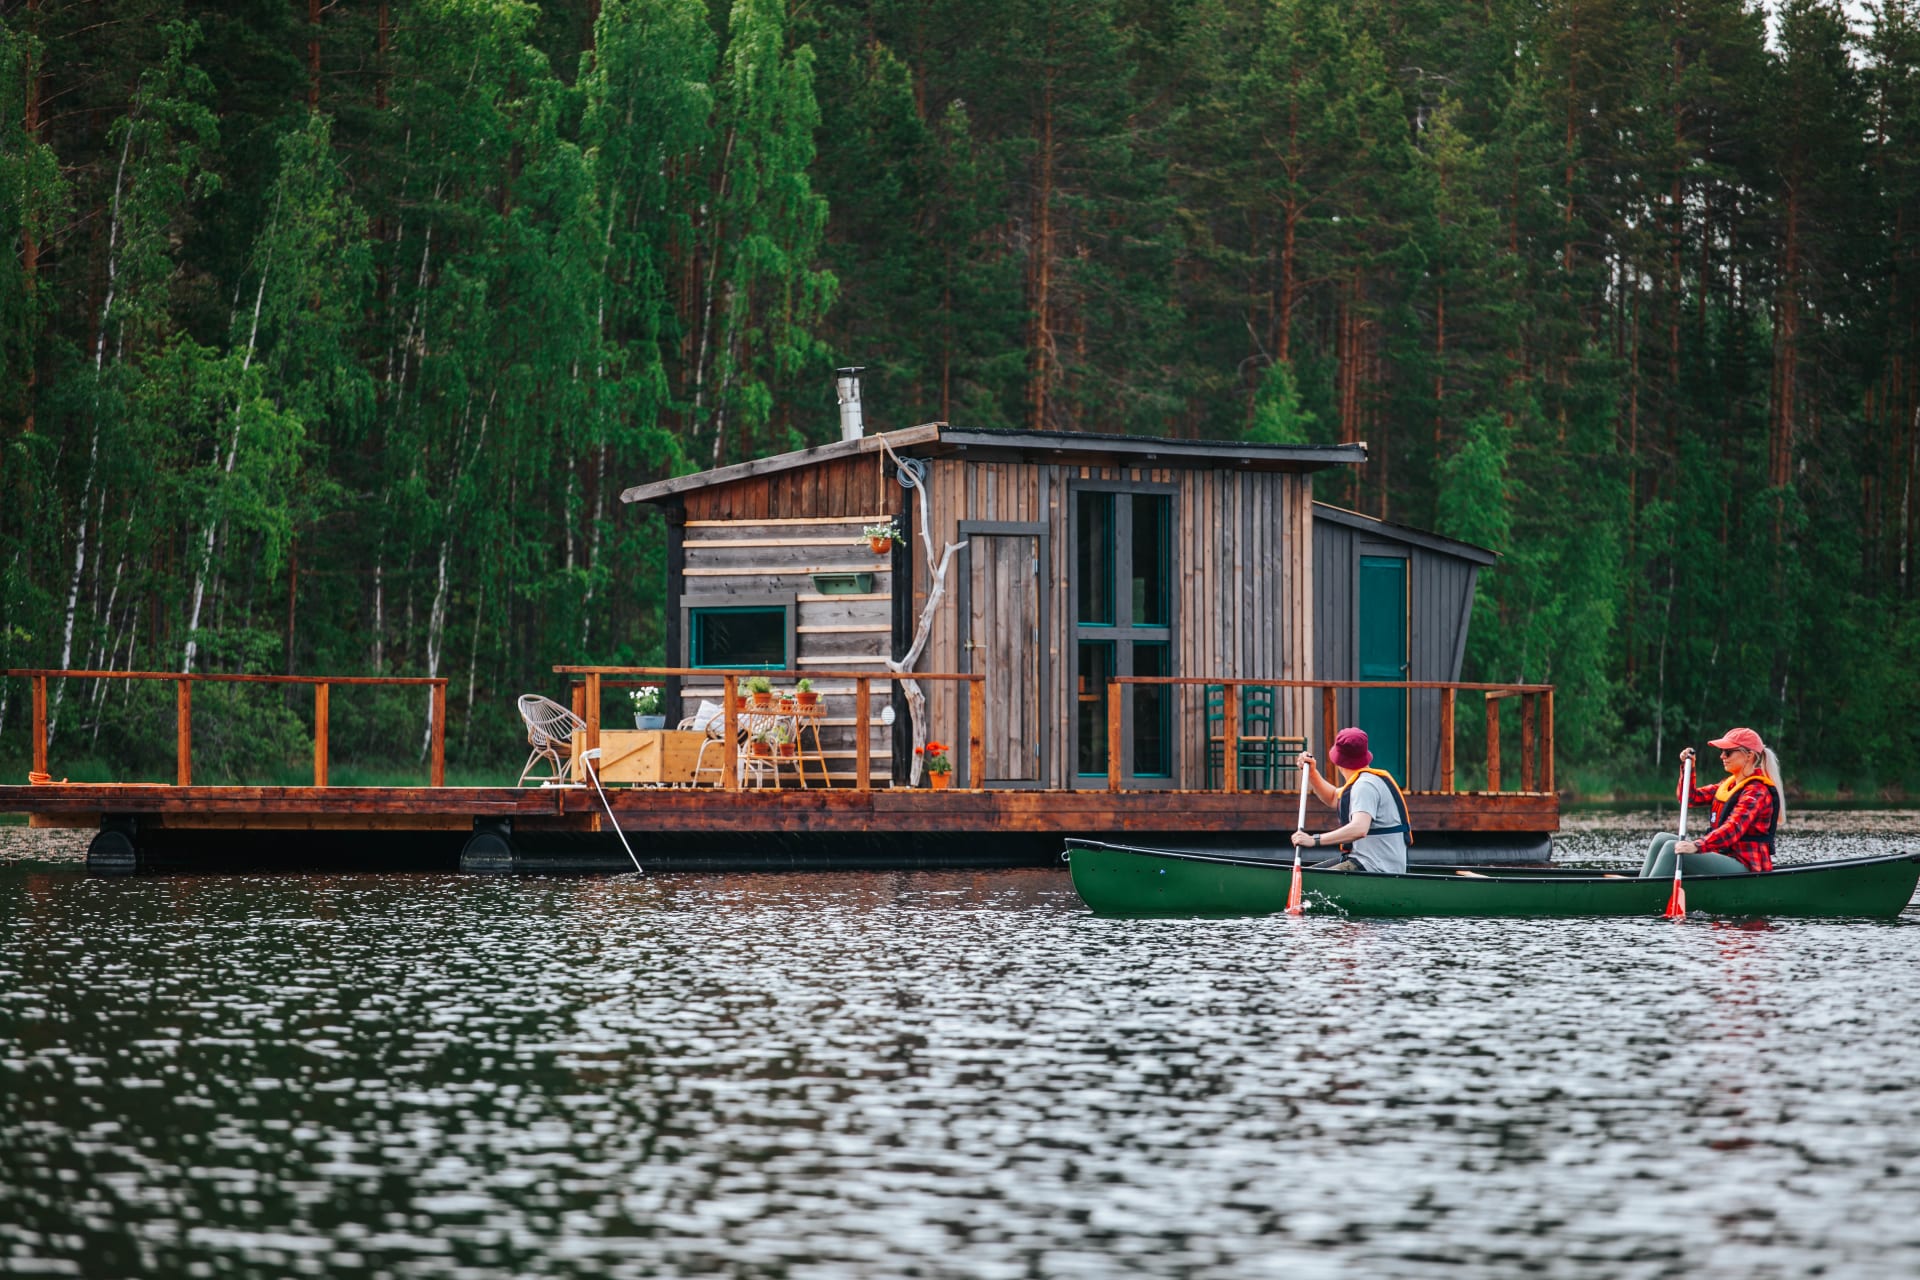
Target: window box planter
{"x":842,"y":584}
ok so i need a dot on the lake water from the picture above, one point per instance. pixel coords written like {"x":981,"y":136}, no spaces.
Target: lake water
{"x":936,"y":1074}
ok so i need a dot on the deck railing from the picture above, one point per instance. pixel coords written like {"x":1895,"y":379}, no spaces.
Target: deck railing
{"x":592,"y":679}
{"x":183,"y":705}
{"x":1536,"y":722}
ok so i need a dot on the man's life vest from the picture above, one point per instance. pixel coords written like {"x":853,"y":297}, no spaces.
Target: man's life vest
{"x":1400,"y":827}
{"x":1728,"y":792}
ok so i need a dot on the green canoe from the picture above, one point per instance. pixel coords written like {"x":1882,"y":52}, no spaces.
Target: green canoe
{"x":1119,"y":881}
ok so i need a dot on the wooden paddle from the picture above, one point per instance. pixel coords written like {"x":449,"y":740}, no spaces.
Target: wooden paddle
{"x":1294,"y":906}
{"x":1677,"y":900}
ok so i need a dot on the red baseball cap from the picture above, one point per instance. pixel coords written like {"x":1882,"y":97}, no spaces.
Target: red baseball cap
{"x":1350,"y":749}
{"x":1745,"y":739}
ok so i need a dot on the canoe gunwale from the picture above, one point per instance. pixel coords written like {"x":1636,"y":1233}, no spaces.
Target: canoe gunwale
{"x":1557,"y":875}
{"x":1127,"y":880}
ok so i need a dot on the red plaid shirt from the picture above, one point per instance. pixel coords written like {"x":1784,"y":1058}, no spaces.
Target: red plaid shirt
{"x":1742,"y":833}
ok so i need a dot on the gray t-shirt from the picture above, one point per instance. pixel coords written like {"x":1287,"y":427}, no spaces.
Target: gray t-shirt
{"x":1372,"y":795}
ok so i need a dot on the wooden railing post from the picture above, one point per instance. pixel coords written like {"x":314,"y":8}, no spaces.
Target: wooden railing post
{"x":593,"y":711}
{"x":1230,"y":729}
{"x":1527,"y":747}
{"x":1115,"y":696}
{"x":183,"y":734}
{"x":1546,"y":748}
{"x":730,"y":733}
{"x":976,"y":730}
{"x":1329,"y":720}
{"x":438,"y":776}
{"x":862,"y":734}
{"x":320,"y":734}
{"x":1493,"y":741}
{"x":1446,"y":740}
{"x":39,"y":724}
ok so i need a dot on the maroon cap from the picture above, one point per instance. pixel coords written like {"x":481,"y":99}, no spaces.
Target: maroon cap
{"x":1350,"y":749}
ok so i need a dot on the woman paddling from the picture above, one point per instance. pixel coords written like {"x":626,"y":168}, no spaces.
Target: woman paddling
{"x":1747,"y":805}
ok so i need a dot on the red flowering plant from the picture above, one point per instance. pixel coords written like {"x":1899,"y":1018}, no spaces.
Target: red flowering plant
{"x":936,"y":757}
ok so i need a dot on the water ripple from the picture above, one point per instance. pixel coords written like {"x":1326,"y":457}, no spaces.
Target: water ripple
{"x":930,"y":1074}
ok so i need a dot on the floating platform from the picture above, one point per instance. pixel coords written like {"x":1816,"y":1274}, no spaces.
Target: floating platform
{"x":565,"y":829}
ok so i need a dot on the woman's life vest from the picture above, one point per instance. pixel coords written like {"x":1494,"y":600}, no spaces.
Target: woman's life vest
{"x":1400,"y":825}
{"x":1729,"y":791}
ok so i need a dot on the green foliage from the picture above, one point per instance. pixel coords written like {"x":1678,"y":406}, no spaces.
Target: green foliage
{"x":1277,"y":415}
{"x":347,"y":374}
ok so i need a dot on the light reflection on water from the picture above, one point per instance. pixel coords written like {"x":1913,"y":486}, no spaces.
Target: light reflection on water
{"x":936,"y":1074}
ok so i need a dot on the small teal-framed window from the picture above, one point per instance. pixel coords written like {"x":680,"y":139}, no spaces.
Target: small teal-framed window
{"x":750,"y":637}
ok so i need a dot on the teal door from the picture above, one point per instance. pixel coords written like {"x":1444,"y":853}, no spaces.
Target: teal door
{"x":1383,"y":656}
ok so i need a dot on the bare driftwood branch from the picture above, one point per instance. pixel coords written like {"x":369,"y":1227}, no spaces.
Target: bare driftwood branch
{"x":936,"y":592}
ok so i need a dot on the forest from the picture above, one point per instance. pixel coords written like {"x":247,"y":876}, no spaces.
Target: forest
{"x":332,"y":328}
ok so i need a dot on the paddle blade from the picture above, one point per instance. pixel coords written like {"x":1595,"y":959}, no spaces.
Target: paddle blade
{"x":1293,"y":894}
{"x":1677,"y":901}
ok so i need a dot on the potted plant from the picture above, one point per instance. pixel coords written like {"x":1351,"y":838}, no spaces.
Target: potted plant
{"x":939,"y":765}
{"x":646,"y":707}
{"x":783,"y":703}
{"x":803,"y":694}
{"x":880,"y":537}
{"x":762,"y":690}
{"x":784,"y":746}
{"x":762,"y":742}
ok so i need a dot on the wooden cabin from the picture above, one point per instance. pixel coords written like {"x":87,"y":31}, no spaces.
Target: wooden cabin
{"x":1085,"y":557}
{"x":1105,"y":595}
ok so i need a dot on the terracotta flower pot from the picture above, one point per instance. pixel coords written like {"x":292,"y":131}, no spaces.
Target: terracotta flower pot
{"x":784,"y":706}
{"x":763,"y":748}
{"x":786,"y":750}
{"x":939,"y":781}
{"x":880,"y":545}
{"x":761,"y":701}
{"x":805,"y":700}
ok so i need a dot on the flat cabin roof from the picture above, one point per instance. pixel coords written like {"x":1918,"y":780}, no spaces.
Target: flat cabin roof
{"x":940,"y":440}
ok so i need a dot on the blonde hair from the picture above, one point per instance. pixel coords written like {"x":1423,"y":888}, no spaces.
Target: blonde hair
{"x":1772,"y":763}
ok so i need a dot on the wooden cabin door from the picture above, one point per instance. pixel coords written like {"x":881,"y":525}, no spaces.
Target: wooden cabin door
{"x":1383,"y":656}
{"x":1001,"y":638}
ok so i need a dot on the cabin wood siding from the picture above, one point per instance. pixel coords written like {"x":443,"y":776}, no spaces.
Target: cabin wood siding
{"x":851,"y":487}
{"x":1440,"y":589}
{"x":1242,"y":580}
{"x":749,"y":559}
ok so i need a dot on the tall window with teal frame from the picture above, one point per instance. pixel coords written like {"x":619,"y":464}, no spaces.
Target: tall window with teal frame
{"x":1124,"y":622}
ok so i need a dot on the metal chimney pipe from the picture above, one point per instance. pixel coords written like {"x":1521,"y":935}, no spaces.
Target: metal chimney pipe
{"x":846,"y":383}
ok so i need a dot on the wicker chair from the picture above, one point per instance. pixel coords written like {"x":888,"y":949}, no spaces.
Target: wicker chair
{"x":550,"y":730}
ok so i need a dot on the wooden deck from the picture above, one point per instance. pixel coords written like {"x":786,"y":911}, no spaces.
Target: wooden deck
{"x":662,"y":813}
{"x":564,"y":829}
{"x":867,"y":824}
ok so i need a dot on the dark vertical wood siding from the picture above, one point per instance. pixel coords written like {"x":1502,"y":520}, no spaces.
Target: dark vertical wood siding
{"x":1441,"y":589}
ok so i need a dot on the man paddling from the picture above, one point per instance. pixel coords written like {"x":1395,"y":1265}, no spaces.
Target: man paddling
{"x":1373,"y":813}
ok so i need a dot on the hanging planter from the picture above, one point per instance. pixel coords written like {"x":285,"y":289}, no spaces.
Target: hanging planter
{"x":880,"y":537}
